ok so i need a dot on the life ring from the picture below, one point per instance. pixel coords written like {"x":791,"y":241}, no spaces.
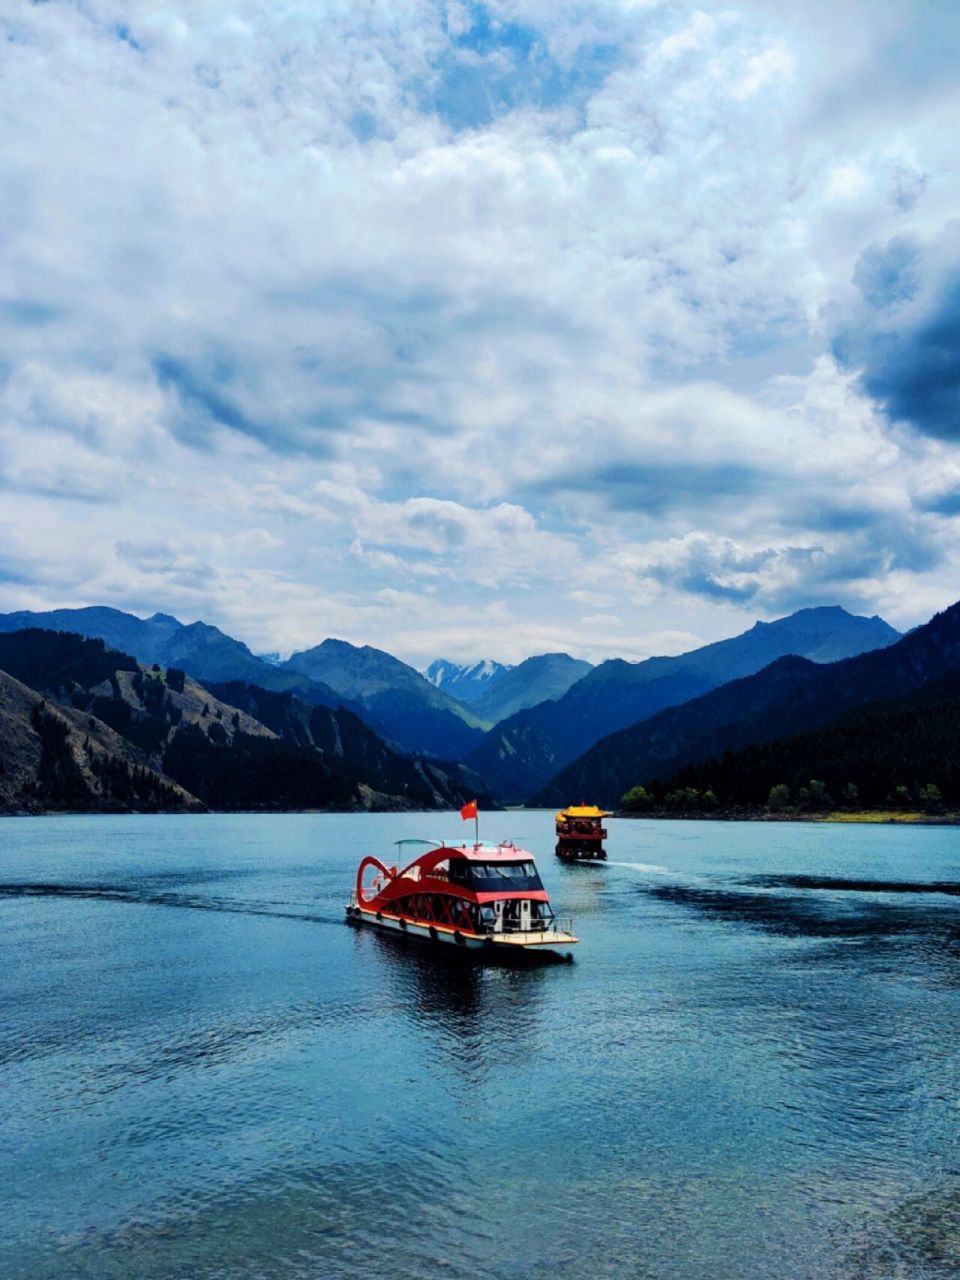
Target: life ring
{"x":379,"y":915}
{"x":459,"y":938}
{"x":433,"y":933}
{"x":403,"y":923}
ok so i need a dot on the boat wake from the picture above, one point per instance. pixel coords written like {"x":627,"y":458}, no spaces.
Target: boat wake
{"x":651,"y":868}
{"x":141,"y":896}
{"x":841,"y":884}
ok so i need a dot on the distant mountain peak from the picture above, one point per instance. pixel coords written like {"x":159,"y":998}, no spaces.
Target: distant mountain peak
{"x":524,"y":750}
{"x":333,"y":644}
{"x":400,"y":703}
{"x":793,"y":695}
{"x":823,"y":610}
{"x":463,"y":680}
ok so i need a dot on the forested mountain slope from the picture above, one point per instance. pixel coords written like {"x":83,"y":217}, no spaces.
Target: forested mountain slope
{"x":165,"y":723}
{"x":395,"y":699}
{"x":58,"y":758}
{"x":888,"y":752}
{"x":522,"y":753}
{"x":789,"y":696}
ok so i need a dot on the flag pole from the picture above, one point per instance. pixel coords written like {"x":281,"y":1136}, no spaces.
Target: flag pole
{"x":470,"y":810}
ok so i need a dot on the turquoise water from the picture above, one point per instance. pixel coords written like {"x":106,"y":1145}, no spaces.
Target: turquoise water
{"x":752,"y":1069}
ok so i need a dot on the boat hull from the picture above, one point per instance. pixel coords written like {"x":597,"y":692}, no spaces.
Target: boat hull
{"x":440,"y":935}
{"x":581,"y":853}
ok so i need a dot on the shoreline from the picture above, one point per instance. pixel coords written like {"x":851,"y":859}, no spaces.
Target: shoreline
{"x":875,"y":817}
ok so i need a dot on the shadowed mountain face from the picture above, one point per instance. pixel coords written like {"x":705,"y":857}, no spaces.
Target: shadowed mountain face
{"x":540,"y":679}
{"x":56,"y":758}
{"x":791,"y":695}
{"x":521,"y":754}
{"x":385,"y":778}
{"x":902,"y":743}
{"x":99,"y":731}
{"x":203,"y":651}
{"x":59,"y":755}
{"x":396,"y":700}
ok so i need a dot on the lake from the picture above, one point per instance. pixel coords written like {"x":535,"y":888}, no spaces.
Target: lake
{"x":751,"y":1070}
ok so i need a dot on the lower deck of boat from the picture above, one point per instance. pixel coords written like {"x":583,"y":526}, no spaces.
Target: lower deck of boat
{"x":533,"y":940}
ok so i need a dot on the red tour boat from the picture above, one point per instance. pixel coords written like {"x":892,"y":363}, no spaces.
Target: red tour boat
{"x":474,"y":896}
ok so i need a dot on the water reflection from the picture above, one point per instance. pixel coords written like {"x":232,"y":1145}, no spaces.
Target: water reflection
{"x":477,"y":1014}
{"x":919,"y":1238}
{"x":833,"y":915}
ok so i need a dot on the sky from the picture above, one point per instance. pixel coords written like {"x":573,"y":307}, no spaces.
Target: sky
{"x":480,"y":330}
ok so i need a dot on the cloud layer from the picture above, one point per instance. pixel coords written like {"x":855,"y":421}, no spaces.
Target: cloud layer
{"x":479,"y":329}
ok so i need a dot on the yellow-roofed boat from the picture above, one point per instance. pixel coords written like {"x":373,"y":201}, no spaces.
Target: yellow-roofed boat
{"x":581,"y":833}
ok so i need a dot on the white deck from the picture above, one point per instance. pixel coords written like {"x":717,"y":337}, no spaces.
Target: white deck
{"x":544,"y":938}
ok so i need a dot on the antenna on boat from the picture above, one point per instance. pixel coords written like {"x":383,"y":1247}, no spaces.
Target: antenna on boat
{"x":470,"y":811}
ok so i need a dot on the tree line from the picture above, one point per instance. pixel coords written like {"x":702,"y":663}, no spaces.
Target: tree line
{"x":902,"y":754}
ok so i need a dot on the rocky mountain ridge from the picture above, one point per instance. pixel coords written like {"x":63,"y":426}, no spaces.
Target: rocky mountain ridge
{"x":157,"y":739}
{"x":789,"y":696}
{"x":521,"y":754}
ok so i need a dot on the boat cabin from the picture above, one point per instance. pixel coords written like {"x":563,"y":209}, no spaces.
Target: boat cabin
{"x":581,"y":833}
{"x":486,"y":889}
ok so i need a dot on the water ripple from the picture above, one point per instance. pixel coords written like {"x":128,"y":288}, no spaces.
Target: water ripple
{"x":750,"y":1070}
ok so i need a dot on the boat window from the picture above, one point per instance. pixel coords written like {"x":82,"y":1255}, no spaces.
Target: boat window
{"x":490,"y":876}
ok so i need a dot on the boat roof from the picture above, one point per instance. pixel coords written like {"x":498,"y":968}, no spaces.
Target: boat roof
{"x":583,"y":811}
{"x":505,"y":852}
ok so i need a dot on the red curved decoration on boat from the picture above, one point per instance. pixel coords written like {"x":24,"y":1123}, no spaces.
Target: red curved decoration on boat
{"x":384,"y":871}
{"x":391,"y":876}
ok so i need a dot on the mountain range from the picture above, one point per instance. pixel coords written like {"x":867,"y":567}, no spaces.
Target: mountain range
{"x":353,"y":726}
{"x":789,"y":696}
{"x":494,"y":691}
{"x":422,"y":714}
{"x":520,"y":755}
{"x":205,"y":652}
{"x":394,"y":699}
{"x":95,"y":729}
{"x":886,"y":753}
{"x":391,"y":697}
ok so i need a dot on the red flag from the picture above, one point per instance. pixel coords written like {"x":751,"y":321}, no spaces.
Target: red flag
{"x":469,"y":810}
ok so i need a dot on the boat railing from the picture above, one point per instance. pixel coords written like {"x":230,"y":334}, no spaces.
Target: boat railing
{"x":561,"y":924}
{"x":556,"y":924}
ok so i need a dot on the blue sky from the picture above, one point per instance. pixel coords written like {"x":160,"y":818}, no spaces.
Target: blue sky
{"x":480,"y":329}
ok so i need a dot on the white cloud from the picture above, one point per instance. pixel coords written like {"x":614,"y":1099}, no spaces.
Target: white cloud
{"x":292,"y":341}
